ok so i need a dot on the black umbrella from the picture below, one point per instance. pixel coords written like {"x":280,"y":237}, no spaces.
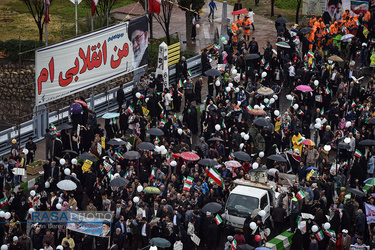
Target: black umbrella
{"x":261,"y":121}
{"x":355,"y":191}
{"x":155,"y":131}
{"x":119,"y":182}
{"x":69,"y":151}
{"x":306,"y":29}
{"x":72,"y":178}
{"x":245,"y":247}
{"x":160,"y":242}
{"x":146,"y":146}
{"x":64,"y":126}
{"x":242,"y":156}
{"x":281,"y":20}
{"x":213,"y":72}
{"x":277,"y":158}
{"x":207,"y":162}
{"x":367,"y":142}
{"x":214,"y":139}
{"x":87,"y":156}
{"x":252,"y":56}
{"x":212,"y":207}
{"x":372,"y":120}
{"x":343,"y":145}
{"x":116,"y":142}
{"x":132,"y":155}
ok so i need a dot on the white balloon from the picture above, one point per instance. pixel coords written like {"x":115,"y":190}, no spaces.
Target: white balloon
{"x":117,"y":175}
{"x":25,"y":151}
{"x":275,"y":97}
{"x":317,"y":125}
{"x":136,"y":199}
{"x":253,"y":225}
{"x":162,"y":148}
{"x":2,"y":214}
{"x":347,"y":140}
{"x":59,"y":247}
{"x":262,"y":106}
{"x":239,"y":103}
{"x":138,"y":95}
{"x":237,"y":89}
{"x":330,"y":61}
{"x":256,"y":106}
{"x":317,"y":120}
{"x":246,"y":137}
{"x":230,"y":85}
{"x":74,"y":161}
{"x":31,"y":210}
{"x":255,"y":165}
{"x":276,"y":113}
{"x":173,"y":163}
{"x":139,"y":189}
{"x":7,"y":215}
{"x":314,"y":228}
{"x":67,"y":171}
{"x":261,"y":154}
{"x":295,"y":106}
{"x":234,"y":71}
{"x":58,"y":206}
{"x":266,"y":100}
{"x":217,"y":127}
{"x":289,"y":97}
{"x":217,"y":83}
{"x":157,"y":149}
{"x":327,"y":148}
{"x":153,"y":248}
{"x":348,"y":124}
{"x":316,"y":82}
{"x":4,"y":247}
{"x":262,"y":213}
{"x":272,"y":100}
{"x":179,"y":131}
{"x":164,"y":152}
{"x":241,"y":145}
{"x":197,"y":26}
{"x":227,"y":89}
{"x":242,"y":134}
{"x":264,"y":74}
{"x":327,"y":225}
{"x":47,"y":184}
{"x":146,"y":100}
{"x":32,"y":193}
{"x":62,"y":161}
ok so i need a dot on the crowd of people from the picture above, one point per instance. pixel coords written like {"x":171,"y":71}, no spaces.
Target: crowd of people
{"x":324,"y":131}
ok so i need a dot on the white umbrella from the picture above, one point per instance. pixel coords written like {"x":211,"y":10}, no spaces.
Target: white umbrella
{"x":346,"y":37}
{"x":66,"y":185}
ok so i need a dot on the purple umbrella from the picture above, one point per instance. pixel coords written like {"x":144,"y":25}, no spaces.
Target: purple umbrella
{"x":75,"y":108}
{"x":304,"y":88}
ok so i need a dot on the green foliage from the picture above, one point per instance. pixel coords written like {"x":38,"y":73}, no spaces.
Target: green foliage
{"x":11,"y":48}
{"x":188,"y":53}
{"x":286,"y":4}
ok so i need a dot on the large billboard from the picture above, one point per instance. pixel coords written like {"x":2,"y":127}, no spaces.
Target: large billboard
{"x":83,"y":62}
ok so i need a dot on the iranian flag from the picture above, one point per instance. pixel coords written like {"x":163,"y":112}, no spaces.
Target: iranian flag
{"x":218,"y":97}
{"x":319,"y":235}
{"x":175,"y":117}
{"x":267,"y":67}
{"x":119,"y":155}
{"x":152,"y":173}
{"x":322,"y":111}
{"x":187,"y":186}
{"x":300,"y":112}
{"x":358,"y":53}
{"x":180,"y":94}
{"x":53,"y":127}
{"x":373,"y":41}
{"x":310,"y":54}
{"x":3,"y":201}
{"x":249,"y":108}
{"x":216,"y":46}
{"x":360,"y":107}
{"x":162,"y":123}
{"x":358,"y":153}
{"x":244,"y":76}
{"x":356,"y":131}
{"x":127,"y":175}
{"x":94,"y":3}
{"x":157,"y":139}
{"x":263,"y":62}
{"x":46,"y":11}
{"x":234,"y":244}
{"x":212,"y":172}
{"x":154,"y":6}
{"x":130,"y":110}
{"x":329,"y":232}
{"x":218,"y":219}
{"x":189,"y":73}
{"x":301,"y":195}
{"x":353,"y":104}
{"x":229,"y":113}
{"x":189,"y":180}
{"x":160,"y":106}
{"x":328,"y":30}
{"x":299,"y":219}
{"x":180,"y":84}
{"x":223,"y":124}
{"x":358,"y":23}
{"x":162,"y":114}
{"x":344,"y":105}
{"x":345,"y":85}
{"x":327,"y":91}
{"x":278,"y":118}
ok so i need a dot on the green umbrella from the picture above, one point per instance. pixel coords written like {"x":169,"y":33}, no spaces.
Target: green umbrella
{"x":152,"y":190}
{"x":283,"y":45}
{"x":370,"y":181}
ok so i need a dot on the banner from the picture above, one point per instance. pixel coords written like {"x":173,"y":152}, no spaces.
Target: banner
{"x":370,"y":213}
{"x":86,"y":61}
{"x":91,"y":226}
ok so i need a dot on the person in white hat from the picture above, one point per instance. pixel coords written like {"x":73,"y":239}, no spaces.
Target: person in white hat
{"x":228,"y":244}
{"x":346,"y":240}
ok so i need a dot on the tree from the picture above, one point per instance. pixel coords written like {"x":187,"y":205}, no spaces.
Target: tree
{"x":297,"y":11}
{"x":164,"y":18}
{"x":192,"y":5}
{"x":36,"y":9}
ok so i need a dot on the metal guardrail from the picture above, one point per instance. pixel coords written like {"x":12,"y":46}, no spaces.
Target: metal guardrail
{"x":103,"y":103}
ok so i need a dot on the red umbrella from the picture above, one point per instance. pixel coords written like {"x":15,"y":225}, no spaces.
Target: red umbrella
{"x":84,"y":104}
{"x":176,"y":155}
{"x":239,"y":12}
{"x":190,"y":156}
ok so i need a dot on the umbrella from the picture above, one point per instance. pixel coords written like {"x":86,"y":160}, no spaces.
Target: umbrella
{"x":72,"y":178}
{"x":152,"y":190}
{"x":239,"y":12}
{"x":69,"y":151}
{"x":343,"y":145}
{"x":306,"y":29}
{"x":283,"y":45}
{"x":252,"y":56}
{"x":116,"y":142}
{"x":212,"y":207}
{"x":372,"y":120}
{"x":265,"y":91}
{"x":155,"y":131}
{"x":367,"y":142}
{"x":308,"y":142}
{"x":119,"y":182}
{"x":66,"y":185}
{"x":87,"y":156}
{"x":277,"y":158}
{"x":311,"y":168}
{"x":257,"y":112}
{"x":213,"y":72}
{"x":146,"y":146}
{"x":281,"y":20}
{"x":355,"y":191}
{"x":261,"y":121}
{"x":232,"y":164}
{"x":304,"y":88}
{"x":242,"y":156}
{"x":335,"y":58}
{"x":132,"y":155}
{"x":207,"y":162}
{"x":346,"y":37}
{"x":176,"y":155}
{"x":75,"y":108}
{"x":370,"y":181}
{"x":110,"y":115}
{"x":190,"y":156}
{"x":83,"y":103}
{"x":160,"y":242}
{"x":64,"y":126}
{"x":246,"y":247}
{"x":215,"y":139}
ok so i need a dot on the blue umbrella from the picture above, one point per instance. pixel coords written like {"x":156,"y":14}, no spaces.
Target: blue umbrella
{"x":75,"y":108}
{"x":311,"y":168}
{"x":110,"y":115}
